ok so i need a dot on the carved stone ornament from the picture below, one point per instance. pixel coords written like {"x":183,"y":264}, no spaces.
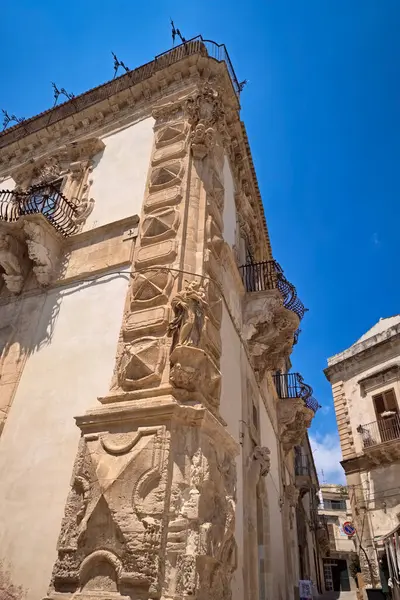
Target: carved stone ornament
{"x":202,"y":140}
{"x":192,"y":366}
{"x":206,"y":116}
{"x":261,"y":455}
{"x":268,"y":329}
{"x":189,"y":307}
{"x":42,"y":250}
{"x":294,"y":419}
{"x":142,"y":364}
{"x":12,"y":262}
{"x":292,"y":495}
{"x":111,"y":532}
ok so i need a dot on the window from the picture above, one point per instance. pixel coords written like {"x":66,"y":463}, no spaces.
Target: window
{"x":335,"y":504}
{"x":385,"y":402}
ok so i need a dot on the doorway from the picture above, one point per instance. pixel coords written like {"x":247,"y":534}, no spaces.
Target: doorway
{"x":336,"y":575}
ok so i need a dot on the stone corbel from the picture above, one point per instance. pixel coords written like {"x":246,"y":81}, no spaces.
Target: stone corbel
{"x":44,"y":245}
{"x":294,"y":419}
{"x":268,"y":328}
{"x":13,"y":259}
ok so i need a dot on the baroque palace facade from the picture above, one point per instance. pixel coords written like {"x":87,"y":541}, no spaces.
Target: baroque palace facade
{"x":140,"y":297}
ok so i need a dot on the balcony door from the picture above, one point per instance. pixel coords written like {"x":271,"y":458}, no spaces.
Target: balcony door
{"x":387,"y":415}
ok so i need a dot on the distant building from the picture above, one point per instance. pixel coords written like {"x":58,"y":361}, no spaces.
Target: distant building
{"x":335,"y":511}
{"x":148,"y":420}
{"x":365,"y":382}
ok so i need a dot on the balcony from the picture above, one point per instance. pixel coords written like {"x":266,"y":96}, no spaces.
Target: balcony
{"x":296,"y":411}
{"x":381,"y":439}
{"x":268,"y":275}
{"x":43,"y":199}
{"x":291,"y":385}
{"x":271,"y":315}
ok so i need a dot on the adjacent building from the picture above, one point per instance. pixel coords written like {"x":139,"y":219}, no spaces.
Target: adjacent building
{"x":148,"y":421}
{"x":365,"y":382}
{"x":340,"y":556}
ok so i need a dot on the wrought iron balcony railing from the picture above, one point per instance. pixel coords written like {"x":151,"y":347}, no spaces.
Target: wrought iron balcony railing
{"x":268,"y":275}
{"x":386,"y":429}
{"x":44,"y":199}
{"x":291,"y":385}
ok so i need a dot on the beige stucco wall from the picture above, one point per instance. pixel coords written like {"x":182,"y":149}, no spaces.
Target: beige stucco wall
{"x":229,"y":215}
{"x":62,"y":377}
{"x":120,"y":172}
{"x":231,"y":412}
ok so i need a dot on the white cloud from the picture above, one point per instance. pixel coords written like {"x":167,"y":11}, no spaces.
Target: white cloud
{"x":325,"y":409}
{"x":327,"y":457}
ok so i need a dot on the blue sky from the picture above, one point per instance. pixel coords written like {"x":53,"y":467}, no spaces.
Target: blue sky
{"x":322,"y":110}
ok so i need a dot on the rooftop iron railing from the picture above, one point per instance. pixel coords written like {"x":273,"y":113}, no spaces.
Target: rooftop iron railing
{"x":384,"y":430}
{"x":291,"y":385}
{"x":44,"y":199}
{"x":268,"y":275}
{"x":198,"y":45}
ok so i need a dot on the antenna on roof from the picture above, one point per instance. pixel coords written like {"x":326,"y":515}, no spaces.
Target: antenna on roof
{"x":176,"y":32}
{"x":9,"y":119}
{"x":118,"y":64}
{"x":62,"y":92}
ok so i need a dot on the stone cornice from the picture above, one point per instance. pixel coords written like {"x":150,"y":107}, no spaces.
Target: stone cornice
{"x":125,"y":100}
{"x":357,"y":353}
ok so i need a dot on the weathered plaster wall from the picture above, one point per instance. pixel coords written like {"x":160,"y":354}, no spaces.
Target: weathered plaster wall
{"x":382,"y":494}
{"x":120,"y":172}
{"x":62,"y":378}
{"x":229,"y":215}
{"x":231,"y":412}
{"x":361,"y":409}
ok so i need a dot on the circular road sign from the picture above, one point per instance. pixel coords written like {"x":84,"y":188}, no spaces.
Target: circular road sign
{"x":349,"y":528}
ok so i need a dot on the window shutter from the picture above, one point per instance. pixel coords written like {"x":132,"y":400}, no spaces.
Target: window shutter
{"x":390,"y":400}
{"x":379,"y":404}
{"x":331,"y":532}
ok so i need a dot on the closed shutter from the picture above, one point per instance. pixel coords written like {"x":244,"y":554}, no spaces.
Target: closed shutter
{"x":390,"y":400}
{"x":331,"y":531}
{"x":379,"y":404}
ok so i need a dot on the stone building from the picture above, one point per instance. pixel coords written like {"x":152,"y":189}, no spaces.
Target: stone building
{"x":366,"y":391}
{"x":340,"y":551}
{"x":310,"y":531}
{"x":140,"y":297}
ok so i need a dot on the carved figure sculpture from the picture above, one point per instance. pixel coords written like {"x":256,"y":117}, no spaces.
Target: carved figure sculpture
{"x":261,"y":455}
{"x":10,"y":260}
{"x":187,"y":325}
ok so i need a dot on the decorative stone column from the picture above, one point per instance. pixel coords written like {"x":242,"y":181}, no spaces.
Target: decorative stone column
{"x":151,"y":511}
